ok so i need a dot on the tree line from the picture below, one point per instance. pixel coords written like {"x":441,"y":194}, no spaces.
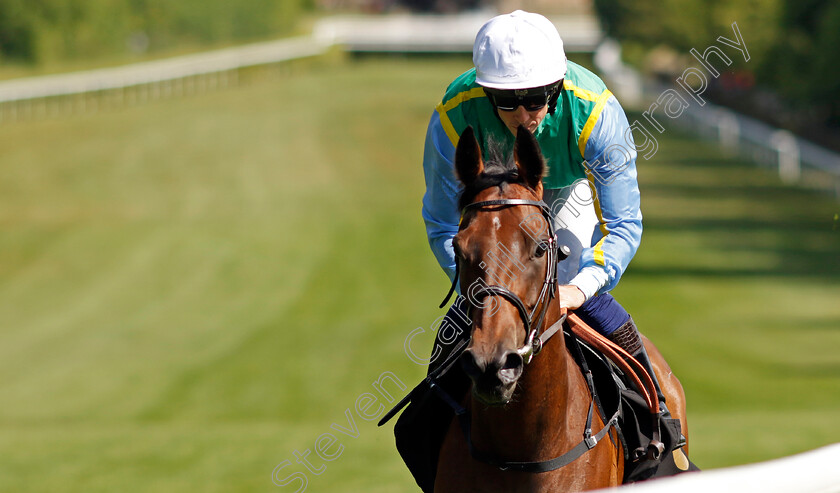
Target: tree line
{"x":42,"y":31}
{"x":793,"y":75}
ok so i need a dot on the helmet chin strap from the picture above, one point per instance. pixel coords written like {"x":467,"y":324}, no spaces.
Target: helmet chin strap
{"x":552,"y":102}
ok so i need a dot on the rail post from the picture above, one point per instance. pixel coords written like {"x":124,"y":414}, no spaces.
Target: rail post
{"x":787,"y":149}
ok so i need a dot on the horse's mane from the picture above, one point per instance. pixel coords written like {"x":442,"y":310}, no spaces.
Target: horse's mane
{"x":499,"y":171}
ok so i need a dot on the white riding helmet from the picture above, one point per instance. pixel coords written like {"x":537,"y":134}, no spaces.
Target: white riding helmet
{"x":519,"y":50}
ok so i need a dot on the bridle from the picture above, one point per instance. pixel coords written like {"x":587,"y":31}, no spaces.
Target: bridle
{"x":533,"y":345}
{"x":533,"y":320}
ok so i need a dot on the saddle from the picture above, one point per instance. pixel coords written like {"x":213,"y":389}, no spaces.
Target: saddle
{"x":422,"y":426}
{"x":614,"y":391}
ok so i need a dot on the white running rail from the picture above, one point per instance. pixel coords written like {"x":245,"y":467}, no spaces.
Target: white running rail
{"x":798,"y":160}
{"x":169,"y":69}
{"x":816,"y":471}
{"x":34,"y":97}
{"x":399,"y":33}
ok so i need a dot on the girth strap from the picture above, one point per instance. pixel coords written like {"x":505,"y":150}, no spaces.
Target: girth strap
{"x":585,"y":445}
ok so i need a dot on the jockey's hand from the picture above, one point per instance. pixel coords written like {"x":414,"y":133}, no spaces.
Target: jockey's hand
{"x":570,"y":297}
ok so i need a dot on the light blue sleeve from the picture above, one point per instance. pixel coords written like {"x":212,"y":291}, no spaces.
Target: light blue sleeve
{"x":611,"y":160}
{"x":443,"y":190}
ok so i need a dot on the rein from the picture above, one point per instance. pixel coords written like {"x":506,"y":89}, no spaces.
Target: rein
{"x":533,"y":345}
{"x":555,"y":253}
{"x":588,"y":443}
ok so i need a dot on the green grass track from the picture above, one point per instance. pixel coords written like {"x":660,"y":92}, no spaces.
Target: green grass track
{"x":194,"y":289}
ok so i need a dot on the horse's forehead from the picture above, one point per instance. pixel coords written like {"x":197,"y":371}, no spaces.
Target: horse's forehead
{"x":499,"y":218}
{"x":502,"y":224}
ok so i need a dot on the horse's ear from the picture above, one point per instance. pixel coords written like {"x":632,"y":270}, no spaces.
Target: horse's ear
{"x":529,"y":159}
{"x":468,"y":163}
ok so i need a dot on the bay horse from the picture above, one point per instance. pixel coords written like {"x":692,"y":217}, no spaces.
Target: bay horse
{"x":520,"y":413}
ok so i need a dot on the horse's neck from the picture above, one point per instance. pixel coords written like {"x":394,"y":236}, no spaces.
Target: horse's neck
{"x":542,"y":418}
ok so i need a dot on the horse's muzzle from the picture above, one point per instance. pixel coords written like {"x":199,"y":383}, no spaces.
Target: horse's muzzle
{"x":494,"y":379}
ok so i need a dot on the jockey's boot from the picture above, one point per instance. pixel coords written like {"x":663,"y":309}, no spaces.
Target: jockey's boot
{"x":627,"y":336}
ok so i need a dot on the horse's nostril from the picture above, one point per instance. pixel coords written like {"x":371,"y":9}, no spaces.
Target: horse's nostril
{"x":513,"y":360}
{"x":512,"y":366}
{"x":470,"y":365}
{"x":505,"y":370}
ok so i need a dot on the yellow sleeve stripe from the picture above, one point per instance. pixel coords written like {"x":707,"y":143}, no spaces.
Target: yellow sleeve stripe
{"x":443,"y":108}
{"x":600,"y":102}
{"x":598,"y":251}
{"x":593,"y":119}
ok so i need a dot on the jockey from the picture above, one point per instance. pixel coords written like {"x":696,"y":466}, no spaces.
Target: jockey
{"x":522,"y":77}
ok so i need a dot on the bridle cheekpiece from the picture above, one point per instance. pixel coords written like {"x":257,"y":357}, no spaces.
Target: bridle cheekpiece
{"x":533,"y":320}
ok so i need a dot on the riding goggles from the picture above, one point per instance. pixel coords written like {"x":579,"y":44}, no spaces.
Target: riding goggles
{"x":532,"y":99}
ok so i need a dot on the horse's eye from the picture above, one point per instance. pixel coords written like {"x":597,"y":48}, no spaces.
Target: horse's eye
{"x":541,"y":249}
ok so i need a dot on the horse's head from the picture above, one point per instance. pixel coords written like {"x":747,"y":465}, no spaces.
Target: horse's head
{"x":502,"y":250}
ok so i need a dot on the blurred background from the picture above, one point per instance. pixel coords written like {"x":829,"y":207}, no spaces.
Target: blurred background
{"x":211,"y":247}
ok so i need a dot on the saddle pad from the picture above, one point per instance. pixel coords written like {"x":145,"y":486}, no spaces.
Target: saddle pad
{"x":635,"y":425}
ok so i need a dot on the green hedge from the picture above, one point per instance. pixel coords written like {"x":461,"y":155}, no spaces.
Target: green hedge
{"x":792,"y":43}
{"x":686,"y":24}
{"x":39,"y":31}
